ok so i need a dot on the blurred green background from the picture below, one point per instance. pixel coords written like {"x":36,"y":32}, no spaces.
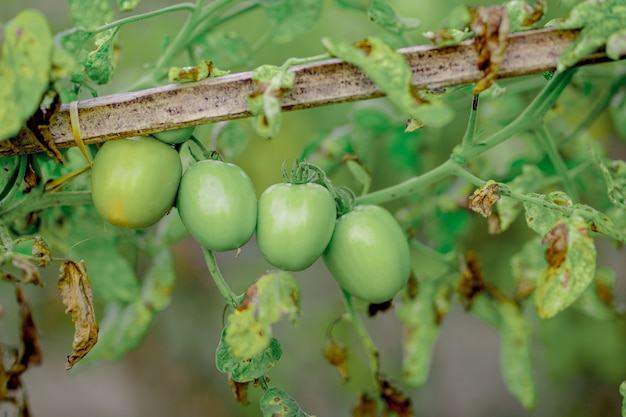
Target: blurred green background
{"x":173,"y":372}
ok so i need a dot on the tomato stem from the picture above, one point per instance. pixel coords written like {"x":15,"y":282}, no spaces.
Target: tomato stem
{"x":366,"y":340}
{"x":231,"y":298}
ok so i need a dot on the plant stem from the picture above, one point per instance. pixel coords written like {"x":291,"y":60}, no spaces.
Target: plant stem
{"x":46,"y":200}
{"x":547,"y":140}
{"x":366,"y":340}
{"x":470,"y":131}
{"x":231,"y":298}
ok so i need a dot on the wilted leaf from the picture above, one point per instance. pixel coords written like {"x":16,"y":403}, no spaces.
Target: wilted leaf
{"x":277,"y":403}
{"x":471,"y":282}
{"x":522,"y":15}
{"x":78,"y":300}
{"x":31,"y":351}
{"x":240,"y":391}
{"x":572,"y":263}
{"x":41,"y":250}
{"x":249,"y":369}
{"x":337,"y":354}
{"x":365,"y":408}
{"x":599,"y":20}
{"x":390,"y":71}
{"x":491,"y":28}
{"x":271,"y":83}
{"x":395,"y":400}
{"x":30,"y":273}
{"x":484,"y":198}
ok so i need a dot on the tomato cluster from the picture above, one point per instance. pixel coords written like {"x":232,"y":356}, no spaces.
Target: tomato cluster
{"x":136,"y":181}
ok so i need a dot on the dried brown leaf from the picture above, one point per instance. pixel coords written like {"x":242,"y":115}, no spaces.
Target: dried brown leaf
{"x":41,"y":250}
{"x":484,"y":198}
{"x":30,"y":273}
{"x":30,"y":176}
{"x":556,"y":239}
{"x":396,"y":401}
{"x":31,"y":351}
{"x":471,"y":282}
{"x":240,"y":391}
{"x":337,"y":354}
{"x":365,"y":408}
{"x":534,"y":13}
{"x":490,"y":25}
{"x":78,"y":300}
{"x":39,"y":127}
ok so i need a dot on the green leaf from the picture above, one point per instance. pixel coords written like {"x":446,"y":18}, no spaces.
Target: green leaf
{"x":421,"y":317}
{"x":361,"y":5}
{"x":293,"y":17}
{"x":271,"y":84}
{"x":270,"y":297}
{"x":515,"y":358}
{"x":277,"y":403}
{"x":571,"y":257}
{"x":91,"y":14}
{"x":127,"y":5}
{"x":615,"y":177}
{"x":622,"y":391}
{"x":232,"y":138}
{"x":390,"y":71}
{"x":25,"y":62}
{"x":381,"y":13}
{"x":616,"y":45}
{"x":360,"y":173}
{"x":100,"y":62}
{"x":159,"y":280}
{"x":508,"y":208}
{"x":541,"y":219}
{"x":597,"y":301}
{"x":599,"y":20}
{"x":245,"y":370}
{"x":530,"y":262}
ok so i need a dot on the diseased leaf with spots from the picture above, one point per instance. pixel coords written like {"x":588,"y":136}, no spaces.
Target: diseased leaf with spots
{"x":390,"y":71}
{"x":101,"y":61}
{"x":491,"y":27}
{"x":366,"y":407}
{"x":615,"y":177}
{"x":527,"y":265}
{"x":246,"y":370}
{"x":506,"y":208}
{"x":202,"y":71}
{"x":249,"y":327}
{"x":277,"y":403}
{"x":484,"y":198}
{"x":240,"y":391}
{"x":599,"y":21}
{"x":571,"y":257}
{"x":597,"y":300}
{"x":524,"y":16}
{"x":30,"y":273}
{"x":25,"y":61}
{"x":127,"y":5}
{"x":337,"y":354}
{"x":541,"y":219}
{"x":30,"y":352}
{"x":395,"y":400}
{"x":78,"y":300}
{"x":271,"y":83}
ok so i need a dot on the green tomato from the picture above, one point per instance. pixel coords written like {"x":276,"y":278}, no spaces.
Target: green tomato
{"x":134,"y":181}
{"x":368,"y":254}
{"x":217,"y":204}
{"x":295,"y":223}
{"x":175,"y":136}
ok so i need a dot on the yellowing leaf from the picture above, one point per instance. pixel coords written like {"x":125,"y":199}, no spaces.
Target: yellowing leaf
{"x":78,"y":300}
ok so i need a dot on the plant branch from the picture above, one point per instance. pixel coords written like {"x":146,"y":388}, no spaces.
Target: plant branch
{"x":317,"y":84}
{"x":233,"y":299}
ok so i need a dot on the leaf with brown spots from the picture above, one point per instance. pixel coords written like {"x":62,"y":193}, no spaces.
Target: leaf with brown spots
{"x":31,"y":352}
{"x":471,"y":283}
{"x":484,"y":198}
{"x":41,"y":250}
{"x":78,"y":300}
{"x":491,"y":27}
{"x":337,"y":354}
{"x":396,"y":401}
{"x":365,"y":408}
{"x":30,"y":273}
{"x":240,"y":391}
{"x":556,"y":240}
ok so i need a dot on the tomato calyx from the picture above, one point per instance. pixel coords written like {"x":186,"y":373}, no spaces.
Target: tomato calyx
{"x":303,"y":172}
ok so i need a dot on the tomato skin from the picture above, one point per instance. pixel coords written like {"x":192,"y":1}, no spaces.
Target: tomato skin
{"x":295,"y":223}
{"x":175,"y":136}
{"x":217,"y":204}
{"x":134,"y":181}
{"x":368,"y":254}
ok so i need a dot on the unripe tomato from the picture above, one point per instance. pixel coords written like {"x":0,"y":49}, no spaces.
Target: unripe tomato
{"x":217,"y":204}
{"x":295,"y":223}
{"x":134,"y":181}
{"x":175,"y":136}
{"x":368,"y":254}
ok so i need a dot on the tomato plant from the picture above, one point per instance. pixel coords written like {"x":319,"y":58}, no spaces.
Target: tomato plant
{"x":295,"y":223}
{"x":134,"y":181}
{"x":368,"y":254}
{"x":217,"y":204}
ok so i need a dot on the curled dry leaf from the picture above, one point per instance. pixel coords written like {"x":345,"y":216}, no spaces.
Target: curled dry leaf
{"x":240,"y":391}
{"x":556,"y":239}
{"x":396,"y":401}
{"x":365,"y":408}
{"x":490,"y":25}
{"x":31,"y":352}
{"x":78,"y":300}
{"x":337,"y":354}
{"x":30,"y":273}
{"x":41,"y":250}
{"x":471,"y":282}
{"x":484,"y":198}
